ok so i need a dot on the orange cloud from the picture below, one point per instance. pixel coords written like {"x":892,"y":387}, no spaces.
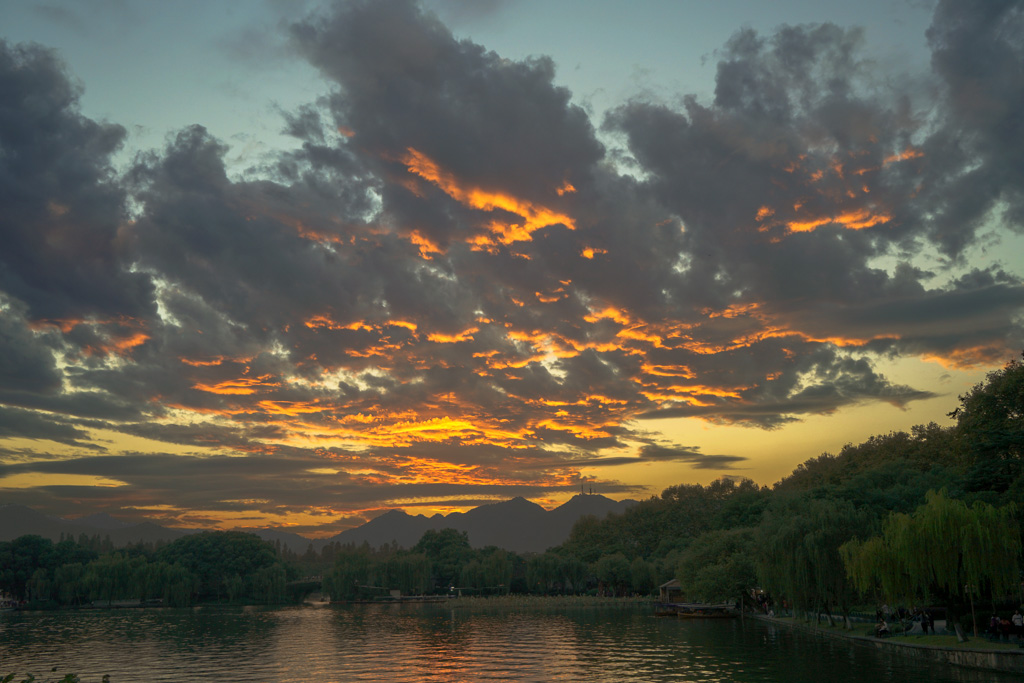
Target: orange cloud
{"x":908,"y":153}
{"x":534,"y":215}
{"x":290,"y":407}
{"x":857,"y":219}
{"x":428,"y":248}
{"x":242,"y":386}
{"x":441,"y":338}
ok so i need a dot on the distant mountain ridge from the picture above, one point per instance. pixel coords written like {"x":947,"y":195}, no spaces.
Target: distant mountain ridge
{"x":19,"y":520}
{"x":517,"y":525}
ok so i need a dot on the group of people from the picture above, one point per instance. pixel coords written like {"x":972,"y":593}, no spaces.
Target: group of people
{"x":766,"y":604}
{"x":884,"y":614}
{"x":1005,"y":627}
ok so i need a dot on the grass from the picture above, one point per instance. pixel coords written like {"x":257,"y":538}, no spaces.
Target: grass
{"x":948,"y":642}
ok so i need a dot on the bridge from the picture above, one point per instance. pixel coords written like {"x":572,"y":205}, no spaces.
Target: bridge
{"x":300,"y":588}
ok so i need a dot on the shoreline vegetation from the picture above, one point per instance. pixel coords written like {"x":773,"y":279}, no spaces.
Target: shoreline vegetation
{"x":930,"y":518}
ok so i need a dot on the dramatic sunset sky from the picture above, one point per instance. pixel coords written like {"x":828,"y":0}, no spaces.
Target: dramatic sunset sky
{"x":283,"y":263}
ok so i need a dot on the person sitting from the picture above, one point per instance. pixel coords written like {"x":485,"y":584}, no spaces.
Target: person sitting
{"x":1005,"y":629}
{"x":881,"y":629}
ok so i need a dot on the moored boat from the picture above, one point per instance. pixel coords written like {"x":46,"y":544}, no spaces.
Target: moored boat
{"x":696,"y":610}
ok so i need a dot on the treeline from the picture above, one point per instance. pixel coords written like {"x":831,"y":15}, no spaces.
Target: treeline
{"x":207,"y":567}
{"x":440,"y":562}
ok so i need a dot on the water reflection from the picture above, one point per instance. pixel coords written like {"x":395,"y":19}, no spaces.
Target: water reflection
{"x":438,"y":643}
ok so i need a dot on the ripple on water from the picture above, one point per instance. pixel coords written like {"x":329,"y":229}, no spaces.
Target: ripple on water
{"x":435,"y":643}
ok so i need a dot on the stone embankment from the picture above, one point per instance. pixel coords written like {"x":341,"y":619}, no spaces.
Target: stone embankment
{"x":1009,"y":661}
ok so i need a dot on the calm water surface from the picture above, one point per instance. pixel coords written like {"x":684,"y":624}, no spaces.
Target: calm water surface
{"x":437,"y":643}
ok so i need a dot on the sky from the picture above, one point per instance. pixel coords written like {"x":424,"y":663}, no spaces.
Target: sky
{"x":299,"y":263}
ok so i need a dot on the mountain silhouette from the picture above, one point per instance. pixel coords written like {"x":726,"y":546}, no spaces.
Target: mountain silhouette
{"x":518,"y":525}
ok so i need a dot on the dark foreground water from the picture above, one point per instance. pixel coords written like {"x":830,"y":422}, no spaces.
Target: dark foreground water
{"x":436,"y":643}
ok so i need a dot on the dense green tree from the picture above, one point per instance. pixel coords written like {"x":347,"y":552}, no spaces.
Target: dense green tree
{"x":408,"y":572}
{"x":269,"y":584}
{"x":613,"y":572}
{"x":643,"y":576}
{"x":69,"y":580}
{"x":447,"y":550}
{"x":990,"y":425}
{"x":19,"y":560}
{"x":719,"y":566}
{"x":175,"y":585}
{"x":591,"y":537}
{"x":798,"y":555}
{"x":40,"y":587}
{"x":574,"y":572}
{"x":471,"y":575}
{"x":544,"y":573}
{"x":945,"y":549}
{"x":351,"y":570}
{"x":660,"y":525}
{"x":924,"y":448}
{"x":216,"y":558}
{"x":497,"y":566}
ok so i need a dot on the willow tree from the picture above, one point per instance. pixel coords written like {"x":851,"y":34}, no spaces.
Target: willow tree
{"x":944,"y":549}
{"x":797,"y":552}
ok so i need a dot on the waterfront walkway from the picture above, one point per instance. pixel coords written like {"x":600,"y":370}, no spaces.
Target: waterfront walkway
{"x":1010,"y":660}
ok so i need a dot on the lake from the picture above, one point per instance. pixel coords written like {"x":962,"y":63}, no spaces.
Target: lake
{"x":436,"y":643}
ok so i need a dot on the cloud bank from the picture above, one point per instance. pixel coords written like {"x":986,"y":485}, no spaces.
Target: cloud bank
{"x":453,"y":288}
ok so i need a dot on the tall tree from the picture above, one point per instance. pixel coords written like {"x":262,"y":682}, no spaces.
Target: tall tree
{"x":447,"y":550}
{"x":798,"y":551}
{"x":719,"y":565}
{"x":990,"y":424}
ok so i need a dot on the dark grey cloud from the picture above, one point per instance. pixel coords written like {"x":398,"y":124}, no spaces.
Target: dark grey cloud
{"x":194,"y":486}
{"x":450,"y":288}
{"x":24,"y":424}
{"x":979,"y":145}
{"x":690,"y":455}
{"x":406,"y":82}
{"x":62,"y":211}
{"x":25,"y":365}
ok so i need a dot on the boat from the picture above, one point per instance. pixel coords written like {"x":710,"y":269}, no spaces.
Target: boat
{"x":695,"y":610}
{"x":665,"y":609}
